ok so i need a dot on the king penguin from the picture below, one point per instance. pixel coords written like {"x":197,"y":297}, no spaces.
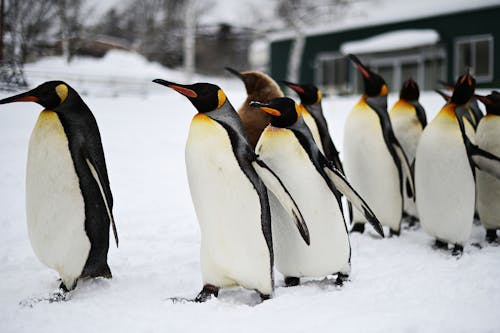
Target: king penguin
{"x":228,"y":187}
{"x":68,"y":198}
{"x":288,"y":147}
{"x":488,"y":187}
{"x":408,"y":121}
{"x":312,"y":113}
{"x":374,"y":161}
{"x":444,"y":175}
{"x":262,"y":88}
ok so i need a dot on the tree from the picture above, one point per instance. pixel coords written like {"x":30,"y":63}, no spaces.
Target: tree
{"x":26,"y":23}
{"x":299,"y":15}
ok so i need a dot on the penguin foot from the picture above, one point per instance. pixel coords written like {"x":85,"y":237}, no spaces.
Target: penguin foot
{"x":393,"y":233}
{"x":291,"y":281}
{"x":457,"y":251}
{"x":440,"y":245}
{"x":358,"y":227}
{"x":264,"y":297}
{"x":491,"y":235}
{"x":60,"y":295}
{"x":66,"y":289}
{"x":341,"y":278}
{"x":206,"y":293}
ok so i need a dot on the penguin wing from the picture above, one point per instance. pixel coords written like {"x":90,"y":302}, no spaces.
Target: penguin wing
{"x":273,"y":183}
{"x":392,"y":143}
{"x":422,"y":117}
{"x":103,"y":188}
{"x":480,"y":158}
{"x":346,"y":189}
{"x":407,"y":170}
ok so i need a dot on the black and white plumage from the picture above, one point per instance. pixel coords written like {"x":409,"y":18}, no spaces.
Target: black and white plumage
{"x":68,"y":197}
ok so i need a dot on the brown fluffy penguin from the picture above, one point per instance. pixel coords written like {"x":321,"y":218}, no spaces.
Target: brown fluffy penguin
{"x":260,"y":88}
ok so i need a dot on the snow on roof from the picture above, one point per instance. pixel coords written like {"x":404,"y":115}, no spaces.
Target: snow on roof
{"x":394,"y":40}
{"x":377,"y":12}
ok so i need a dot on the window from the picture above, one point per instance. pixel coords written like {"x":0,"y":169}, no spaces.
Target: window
{"x":332,"y":73}
{"x":475,"y":52}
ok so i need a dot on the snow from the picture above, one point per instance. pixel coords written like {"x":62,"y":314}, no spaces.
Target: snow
{"x":397,"y":284}
{"x":395,"y":40}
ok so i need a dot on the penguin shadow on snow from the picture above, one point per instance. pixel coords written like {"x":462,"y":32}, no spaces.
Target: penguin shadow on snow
{"x":87,"y":288}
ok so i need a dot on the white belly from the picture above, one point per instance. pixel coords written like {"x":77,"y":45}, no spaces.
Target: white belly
{"x":370,"y":167}
{"x":444,"y":182}
{"x":488,"y":187}
{"x":233,"y":248}
{"x":329,"y":250}
{"x":54,"y":203}
{"x":408,"y":130}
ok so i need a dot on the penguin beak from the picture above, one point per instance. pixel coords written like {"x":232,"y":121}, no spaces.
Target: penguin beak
{"x":484,"y":99}
{"x":364,"y":71}
{"x":266,"y":108}
{"x":177,"y":87}
{"x":24,"y":97}
{"x":467,"y":77}
{"x":297,"y":88}
{"x":445,"y":84}
{"x":442,"y":94}
{"x":235,"y":72}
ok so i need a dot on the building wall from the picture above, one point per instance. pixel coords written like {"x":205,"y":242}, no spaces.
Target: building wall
{"x":449,"y":27}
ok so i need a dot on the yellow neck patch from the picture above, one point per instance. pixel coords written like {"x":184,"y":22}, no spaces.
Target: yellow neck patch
{"x":222,"y":98}
{"x":320,"y":96}
{"x":384,"y":91}
{"x":62,"y":92}
{"x":299,"y":109}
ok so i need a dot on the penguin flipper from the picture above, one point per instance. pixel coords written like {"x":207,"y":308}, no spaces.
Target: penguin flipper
{"x":107,"y":201}
{"x":275,"y":185}
{"x":483,"y":159}
{"x":421,"y":116}
{"x":407,"y":170}
{"x":346,"y":189}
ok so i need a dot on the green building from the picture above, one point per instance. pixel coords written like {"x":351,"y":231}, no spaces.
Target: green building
{"x":430,"y":47}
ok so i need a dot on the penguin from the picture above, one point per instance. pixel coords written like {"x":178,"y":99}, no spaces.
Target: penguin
{"x":487,"y":138}
{"x":474,"y":114}
{"x":312,"y":113}
{"x":374,"y":161}
{"x":260,"y":87}
{"x":69,"y":205}
{"x":228,"y":184}
{"x":408,"y":120}
{"x":444,"y":174}
{"x":288,"y":147}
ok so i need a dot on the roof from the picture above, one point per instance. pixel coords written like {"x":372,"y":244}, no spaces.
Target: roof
{"x":378,"y":12}
{"x":394,"y":40}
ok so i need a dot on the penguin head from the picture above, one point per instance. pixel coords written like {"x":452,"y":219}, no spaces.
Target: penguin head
{"x":491,"y":102}
{"x":409,"y":91}
{"x":205,"y":97}
{"x":258,"y":85}
{"x":283,"y":110}
{"x":309,"y":94}
{"x":50,"y":95}
{"x":374,"y":83}
{"x":463,"y":89}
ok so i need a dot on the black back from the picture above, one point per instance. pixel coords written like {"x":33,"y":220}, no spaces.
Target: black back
{"x":84,"y":142}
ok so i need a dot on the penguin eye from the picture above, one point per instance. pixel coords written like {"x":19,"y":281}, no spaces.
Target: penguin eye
{"x":62,"y":92}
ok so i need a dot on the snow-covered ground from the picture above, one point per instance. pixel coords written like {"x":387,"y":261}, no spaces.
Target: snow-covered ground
{"x":397,"y":284}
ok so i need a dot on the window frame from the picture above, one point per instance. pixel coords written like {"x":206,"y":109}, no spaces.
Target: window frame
{"x":472,"y":41}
